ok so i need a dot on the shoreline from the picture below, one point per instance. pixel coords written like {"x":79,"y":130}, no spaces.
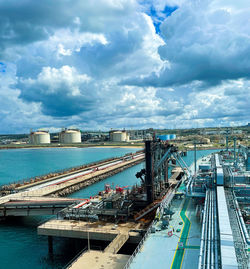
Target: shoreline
{"x":208,"y":148}
{"x":141,"y":147}
{"x":71,"y":147}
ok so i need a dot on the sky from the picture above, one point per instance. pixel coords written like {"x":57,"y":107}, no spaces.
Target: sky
{"x":133,"y":64}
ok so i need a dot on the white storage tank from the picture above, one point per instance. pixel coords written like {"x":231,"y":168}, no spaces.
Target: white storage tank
{"x":120,"y":136}
{"x":39,"y":137}
{"x":70,"y":136}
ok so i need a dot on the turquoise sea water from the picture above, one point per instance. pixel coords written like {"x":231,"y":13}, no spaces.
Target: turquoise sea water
{"x":20,"y":246}
{"x":18,"y":164}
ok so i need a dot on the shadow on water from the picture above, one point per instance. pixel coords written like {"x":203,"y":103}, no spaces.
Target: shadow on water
{"x":29,"y":250}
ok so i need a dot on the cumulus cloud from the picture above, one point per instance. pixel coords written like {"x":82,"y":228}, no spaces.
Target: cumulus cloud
{"x":61,"y":92}
{"x":130,"y":50}
{"x":121,"y":50}
{"x":112,"y":64}
{"x":204,"y":41}
{"x":15,"y":115}
{"x":27,"y":21}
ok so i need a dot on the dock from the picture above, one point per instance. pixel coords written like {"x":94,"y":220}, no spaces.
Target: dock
{"x":30,"y":199}
{"x":99,"y":230}
{"x":115,"y":235}
{"x":96,"y":259}
{"x":34,"y":206}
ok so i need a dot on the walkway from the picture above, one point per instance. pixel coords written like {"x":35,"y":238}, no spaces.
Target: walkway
{"x":117,"y":243}
{"x":97,"y":259}
{"x":161,"y":250}
{"x":179,"y":253}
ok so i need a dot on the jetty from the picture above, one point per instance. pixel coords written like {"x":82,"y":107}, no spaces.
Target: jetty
{"x":42,"y":198}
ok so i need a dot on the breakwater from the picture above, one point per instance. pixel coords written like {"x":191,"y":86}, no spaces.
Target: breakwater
{"x":74,"y":188}
{"x":25,"y":183}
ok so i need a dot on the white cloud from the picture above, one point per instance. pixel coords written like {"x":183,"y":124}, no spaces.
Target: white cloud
{"x":100,"y":64}
{"x":204,"y":41}
{"x":54,"y":79}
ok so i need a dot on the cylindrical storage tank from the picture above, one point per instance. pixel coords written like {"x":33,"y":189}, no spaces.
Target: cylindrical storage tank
{"x":70,"y":137}
{"x":124,"y":136}
{"x":111,"y":136}
{"x":119,"y":136}
{"x":39,"y":137}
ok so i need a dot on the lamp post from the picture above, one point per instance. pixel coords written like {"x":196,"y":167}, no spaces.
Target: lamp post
{"x":88,"y":234}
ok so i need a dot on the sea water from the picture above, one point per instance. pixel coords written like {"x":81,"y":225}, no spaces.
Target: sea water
{"x":19,"y":164}
{"x":20,"y":246}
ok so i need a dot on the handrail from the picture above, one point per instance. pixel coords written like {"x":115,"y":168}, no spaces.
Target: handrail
{"x":241,"y":221}
{"x":77,"y":228}
{"x":164,"y":203}
{"x":69,"y":264}
{"x":138,"y":247}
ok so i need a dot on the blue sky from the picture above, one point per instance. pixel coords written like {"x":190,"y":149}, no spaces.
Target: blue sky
{"x":104,"y":64}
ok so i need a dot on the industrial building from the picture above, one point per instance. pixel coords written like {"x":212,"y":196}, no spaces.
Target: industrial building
{"x":70,"y":136}
{"x":119,"y":136}
{"x":39,"y":137}
{"x":140,"y":134}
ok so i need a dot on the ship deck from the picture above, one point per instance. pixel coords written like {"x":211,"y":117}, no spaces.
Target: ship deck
{"x":181,"y":250}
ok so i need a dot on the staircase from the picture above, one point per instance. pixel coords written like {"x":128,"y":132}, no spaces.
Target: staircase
{"x":146,"y":210}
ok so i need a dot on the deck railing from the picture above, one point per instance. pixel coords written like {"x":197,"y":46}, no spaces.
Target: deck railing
{"x":85,"y":228}
{"x":138,"y":248}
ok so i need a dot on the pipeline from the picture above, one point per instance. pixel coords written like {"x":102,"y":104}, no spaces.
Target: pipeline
{"x":208,"y":257}
{"x":204,"y":223}
{"x":204,"y":260}
{"x":216,"y":239}
{"x":209,"y":232}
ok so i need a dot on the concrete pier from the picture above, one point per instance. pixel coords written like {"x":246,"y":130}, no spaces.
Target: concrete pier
{"x":97,"y":259}
{"x":42,"y":199}
{"x":116,"y":234}
{"x":99,"y":230}
{"x":34,"y":206}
